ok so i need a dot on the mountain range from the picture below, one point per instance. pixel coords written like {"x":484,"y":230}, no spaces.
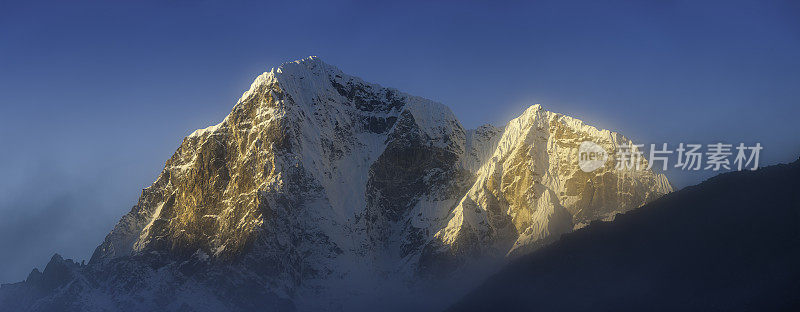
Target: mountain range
{"x":320,"y":191}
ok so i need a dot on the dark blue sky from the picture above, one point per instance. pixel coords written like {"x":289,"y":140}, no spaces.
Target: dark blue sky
{"x":95,"y":96}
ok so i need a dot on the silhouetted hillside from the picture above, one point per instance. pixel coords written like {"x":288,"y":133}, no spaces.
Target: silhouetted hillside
{"x":731,"y":243}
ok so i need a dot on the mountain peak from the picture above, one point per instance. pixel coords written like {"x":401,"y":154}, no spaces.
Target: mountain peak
{"x":310,"y":63}
{"x":313,"y":59}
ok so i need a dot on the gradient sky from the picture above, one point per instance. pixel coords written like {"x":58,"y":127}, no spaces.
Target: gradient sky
{"x":95,"y":96}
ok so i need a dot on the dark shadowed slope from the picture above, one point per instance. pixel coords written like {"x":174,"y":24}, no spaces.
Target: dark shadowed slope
{"x":731,"y":243}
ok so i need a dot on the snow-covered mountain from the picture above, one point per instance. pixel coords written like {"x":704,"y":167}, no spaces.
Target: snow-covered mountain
{"x":322,"y":191}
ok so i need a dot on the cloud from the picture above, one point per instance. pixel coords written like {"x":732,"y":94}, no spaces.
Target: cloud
{"x":48,"y":211}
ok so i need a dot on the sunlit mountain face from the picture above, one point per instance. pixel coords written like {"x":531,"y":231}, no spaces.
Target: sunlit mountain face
{"x":320,"y":191}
